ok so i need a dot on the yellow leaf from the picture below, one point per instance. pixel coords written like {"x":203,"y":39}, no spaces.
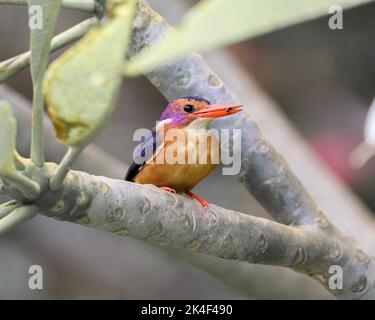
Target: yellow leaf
{"x":81,"y":85}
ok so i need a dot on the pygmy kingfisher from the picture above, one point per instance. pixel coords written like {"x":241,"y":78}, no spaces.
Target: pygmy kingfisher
{"x":182,"y":115}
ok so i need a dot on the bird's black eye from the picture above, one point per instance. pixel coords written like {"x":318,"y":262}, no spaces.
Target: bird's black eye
{"x":189,"y":108}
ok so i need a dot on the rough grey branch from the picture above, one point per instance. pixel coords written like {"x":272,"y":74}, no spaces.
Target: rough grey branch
{"x":96,"y":161}
{"x":148,"y":213}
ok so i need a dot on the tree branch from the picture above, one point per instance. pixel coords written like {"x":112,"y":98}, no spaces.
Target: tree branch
{"x":253,"y":279}
{"x":263,"y":172}
{"x":148,"y":213}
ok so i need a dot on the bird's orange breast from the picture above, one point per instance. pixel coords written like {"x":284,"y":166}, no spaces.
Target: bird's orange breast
{"x":182,"y":163}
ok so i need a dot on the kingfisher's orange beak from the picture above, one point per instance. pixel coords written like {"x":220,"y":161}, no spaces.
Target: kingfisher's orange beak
{"x":218,"y":110}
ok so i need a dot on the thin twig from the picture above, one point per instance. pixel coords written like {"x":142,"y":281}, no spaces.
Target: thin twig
{"x":37,"y":142}
{"x":40,"y":44}
{"x":29,"y":188}
{"x":15,"y":64}
{"x":18,"y":216}
{"x":89,"y":6}
{"x":64,"y":167}
{"x":8,"y":207}
{"x":19,"y":161}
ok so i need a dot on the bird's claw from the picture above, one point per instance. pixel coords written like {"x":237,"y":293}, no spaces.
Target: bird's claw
{"x":168,"y":189}
{"x":203,"y":202}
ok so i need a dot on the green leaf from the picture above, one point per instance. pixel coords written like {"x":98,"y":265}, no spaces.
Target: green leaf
{"x":8,"y":137}
{"x":217,"y":23}
{"x":81,"y":86}
{"x":42,"y":22}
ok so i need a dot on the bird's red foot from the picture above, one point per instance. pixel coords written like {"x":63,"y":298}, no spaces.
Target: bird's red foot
{"x":168,"y":189}
{"x":203,"y":202}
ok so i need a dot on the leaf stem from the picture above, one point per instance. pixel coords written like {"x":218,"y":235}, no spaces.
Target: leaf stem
{"x":40,"y":44}
{"x":19,"y":161}
{"x":15,"y":64}
{"x":37,"y":141}
{"x":18,"y":216}
{"x":89,"y":6}
{"x":8,"y":207}
{"x":29,"y":188}
{"x":64,"y":167}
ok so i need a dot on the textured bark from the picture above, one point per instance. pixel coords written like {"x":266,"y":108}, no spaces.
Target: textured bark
{"x":148,"y":213}
{"x":256,"y":280}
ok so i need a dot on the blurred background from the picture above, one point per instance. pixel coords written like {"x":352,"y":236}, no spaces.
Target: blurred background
{"x":322,"y":79}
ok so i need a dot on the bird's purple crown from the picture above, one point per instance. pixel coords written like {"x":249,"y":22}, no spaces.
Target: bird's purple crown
{"x":197,"y":99}
{"x":179,"y":117}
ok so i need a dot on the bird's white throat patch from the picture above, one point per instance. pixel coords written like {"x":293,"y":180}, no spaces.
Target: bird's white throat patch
{"x":199,"y":124}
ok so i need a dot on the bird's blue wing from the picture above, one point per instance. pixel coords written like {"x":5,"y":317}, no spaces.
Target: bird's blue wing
{"x":142,"y":154}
